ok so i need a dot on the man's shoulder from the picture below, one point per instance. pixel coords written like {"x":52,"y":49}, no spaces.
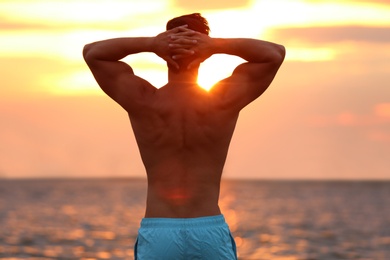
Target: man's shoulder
{"x":133,"y":92}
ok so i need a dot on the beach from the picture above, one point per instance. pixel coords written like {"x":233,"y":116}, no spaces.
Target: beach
{"x":282,"y":220}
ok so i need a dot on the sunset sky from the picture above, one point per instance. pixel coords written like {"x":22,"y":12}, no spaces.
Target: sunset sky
{"x":325,"y":116}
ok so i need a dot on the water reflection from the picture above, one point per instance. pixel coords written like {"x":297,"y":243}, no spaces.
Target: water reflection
{"x":269,"y":220}
{"x":307,"y":220}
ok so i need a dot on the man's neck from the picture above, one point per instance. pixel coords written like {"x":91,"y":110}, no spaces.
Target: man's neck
{"x":184,"y":78}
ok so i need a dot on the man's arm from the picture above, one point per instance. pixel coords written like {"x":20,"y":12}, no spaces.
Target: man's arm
{"x":116,"y":78}
{"x":249,"y":80}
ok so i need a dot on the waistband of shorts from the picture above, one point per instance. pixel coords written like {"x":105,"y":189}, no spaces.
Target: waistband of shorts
{"x":209,"y":221}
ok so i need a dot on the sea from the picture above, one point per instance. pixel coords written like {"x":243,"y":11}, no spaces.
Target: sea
{"x":278,"y":220}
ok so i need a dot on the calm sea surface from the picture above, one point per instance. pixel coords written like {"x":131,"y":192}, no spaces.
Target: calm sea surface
{"x":98,"y":219}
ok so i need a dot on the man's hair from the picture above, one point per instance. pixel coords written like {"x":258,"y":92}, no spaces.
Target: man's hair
{"x":194,"y":21}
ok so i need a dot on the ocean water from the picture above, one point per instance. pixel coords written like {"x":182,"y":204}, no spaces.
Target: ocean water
{"x":284,"y":220}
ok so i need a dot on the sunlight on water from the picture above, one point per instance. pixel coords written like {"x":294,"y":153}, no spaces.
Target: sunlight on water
{"x":99,"y":219}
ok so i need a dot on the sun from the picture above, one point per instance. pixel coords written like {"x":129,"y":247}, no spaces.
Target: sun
{"x":222,"y":25}
{"x":215,"y":69}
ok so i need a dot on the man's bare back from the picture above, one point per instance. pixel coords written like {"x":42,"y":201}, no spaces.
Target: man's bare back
{"x":183,"y":132}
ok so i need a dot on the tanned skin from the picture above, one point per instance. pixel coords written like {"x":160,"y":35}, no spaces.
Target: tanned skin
{"x":183,"y":131}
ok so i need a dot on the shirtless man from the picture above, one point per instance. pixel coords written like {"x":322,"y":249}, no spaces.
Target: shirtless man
{"x":183,"y":132}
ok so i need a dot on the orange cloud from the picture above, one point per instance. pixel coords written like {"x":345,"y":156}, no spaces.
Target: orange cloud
{"x":347,"y":119}
{"x":325,"y":34}
{"x":379,"y":136}
{"x":10,"y":25}
{"x":207,"y":5}
{"x":379,"y":116}
{"x":382,"y":110}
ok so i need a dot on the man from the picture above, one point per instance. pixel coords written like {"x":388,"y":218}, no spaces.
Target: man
{"x":183,"y":131}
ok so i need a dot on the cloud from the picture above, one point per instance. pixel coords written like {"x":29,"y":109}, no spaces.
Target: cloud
{"x":372,"y":126}
{"x":15,"y":25}
{"x":333,"y":34}
{"x":383,"y":2}
{"x":382,"y":110}
{"x":10,"y":25}
{"x":22,"y":76}
{"x":199,"y":5}
{"x":25,"y":25}
{"x":348,"y":119}
{"x":379,"y":135}
{"x":79,"y":11}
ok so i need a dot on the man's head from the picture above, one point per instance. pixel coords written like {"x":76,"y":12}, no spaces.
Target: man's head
{"x":194,"y":22}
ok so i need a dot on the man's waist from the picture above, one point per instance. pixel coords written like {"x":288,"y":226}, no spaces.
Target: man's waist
{"x":206,"y":221}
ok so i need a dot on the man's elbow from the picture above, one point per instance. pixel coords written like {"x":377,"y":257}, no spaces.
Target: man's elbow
{"x":279,"y":53}
{"x":87,"y":51}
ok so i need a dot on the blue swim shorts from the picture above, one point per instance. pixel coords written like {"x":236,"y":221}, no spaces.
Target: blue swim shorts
{"x":185,"y":239}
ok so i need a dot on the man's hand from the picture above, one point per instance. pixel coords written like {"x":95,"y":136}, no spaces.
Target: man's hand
{"x":188,"y":42}
{"x":175,"y":44}
{"x":202,"y":50}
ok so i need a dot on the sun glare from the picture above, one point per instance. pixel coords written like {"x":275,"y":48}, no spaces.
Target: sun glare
{"x":76,"y":11}
{"x":235,"y":23}
{"x":77,"y":83}
{"x":322,"y":13}
{"x":215,"y":69}
{"x":37,"y":35}
{"x":305,"y":54}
